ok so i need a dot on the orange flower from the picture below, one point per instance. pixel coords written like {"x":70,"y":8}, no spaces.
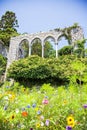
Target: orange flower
{"x":24,"y":113}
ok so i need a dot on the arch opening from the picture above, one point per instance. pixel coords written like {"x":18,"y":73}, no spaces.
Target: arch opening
{"x":36,"y":48}
{"x":64,"y":47}
{"x":23,"y":50}
{"x":49,"y":47}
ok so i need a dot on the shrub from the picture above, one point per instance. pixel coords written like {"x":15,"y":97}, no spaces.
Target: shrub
{"x":35,"y":68}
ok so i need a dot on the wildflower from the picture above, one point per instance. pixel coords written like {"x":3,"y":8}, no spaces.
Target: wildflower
{"x":85,"y":105}
{"x":12,"y":117}
{"x":38,"y":112}
{"x":42,"y":117}
{"x":23,"y":109}
{"x":42,"y":124}
{"x":47,"y":122}
{"x":37,"y":125}
{"x":65,"y":102}
{"x":5,"y":107}
{"x":17,"y":110}
{"x":68,"y":128}
{"x":45,"y":101}
{"x":24,"y":113}
{"x":34,"y":105}
{"x":11,"y":97}
{"x":70,"y":121}
{"x":28,"y":106}
{"x":46,"y":96}
{"x":36,"y":109}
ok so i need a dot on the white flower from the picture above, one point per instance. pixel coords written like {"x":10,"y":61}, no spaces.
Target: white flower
{"x":17,"y":110}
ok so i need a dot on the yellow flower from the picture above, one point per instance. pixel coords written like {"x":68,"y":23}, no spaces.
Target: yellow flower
{"x":65,"y":102}
{"x":12,"y":117}
{"x":36,"y":109}
{"x":70,"y":121}
{"x":12,"y":97}
{"x":37,"y":125}
{"x":72,"y":124}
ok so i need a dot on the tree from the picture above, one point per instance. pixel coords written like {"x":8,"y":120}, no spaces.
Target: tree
{"x":66,"y":50}
{"x":8,"y":20}
{"x":48,"y":50}
{"x":8,"y":24}
{"x":36,"y":48}
{"x":79,"y":48}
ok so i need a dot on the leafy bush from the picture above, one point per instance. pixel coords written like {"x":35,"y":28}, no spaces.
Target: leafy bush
{"x":52,"y":70}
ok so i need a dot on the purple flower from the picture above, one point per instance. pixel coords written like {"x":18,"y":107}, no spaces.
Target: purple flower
{"x":38,"y":112}
{"x":85,"y":105}
{"x":5,"y":107}
{"x":68,"y":128}
{"x":23,"y":109}
{"x":28,"y":106}
{"x":47,"y":122}
{"x":34,"y":105}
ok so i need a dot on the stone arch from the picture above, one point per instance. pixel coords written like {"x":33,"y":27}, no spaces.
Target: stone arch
{"x":23,"y":49}
{"x":49,"y":36}
{"x":65,"y":38}
{"x":36,"y":38}
{"x":63,"y":42}
{"x":36,"y":46}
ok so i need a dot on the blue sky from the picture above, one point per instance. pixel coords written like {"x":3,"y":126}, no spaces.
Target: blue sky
{"x":43,"y":15}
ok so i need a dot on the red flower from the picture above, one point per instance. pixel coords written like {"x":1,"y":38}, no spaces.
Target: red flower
{"x":24,"y":113}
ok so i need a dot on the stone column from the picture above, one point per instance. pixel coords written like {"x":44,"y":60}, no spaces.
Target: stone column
{"x":42,"y":49}
{"x":30,"y":49}
{"x":56,"y":50}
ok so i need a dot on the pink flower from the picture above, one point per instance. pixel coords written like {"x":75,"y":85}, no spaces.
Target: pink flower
{"x":45,"y":101}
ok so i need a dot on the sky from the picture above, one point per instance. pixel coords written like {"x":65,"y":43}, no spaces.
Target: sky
{"x":44,"y":15}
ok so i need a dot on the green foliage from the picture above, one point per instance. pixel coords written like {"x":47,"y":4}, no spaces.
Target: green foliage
{"x":48,"y":50}
{"x":8,"y":24}
{"x":33,"y":67}
{"x":80,"y":49}
{"x":8,"y":20}
{"x":36,"y":48}
{"x":2,"y":68}
{"x":2,"y":64}
{"x":66,"y":50}
{"x":6,"y":34}
{"x":54,"y":70}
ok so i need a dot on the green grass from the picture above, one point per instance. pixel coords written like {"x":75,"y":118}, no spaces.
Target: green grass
{"x":46,"y":108}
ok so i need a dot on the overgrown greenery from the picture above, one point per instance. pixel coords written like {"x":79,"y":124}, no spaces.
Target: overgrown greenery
{"x":54,"y":70}
{"x":2,"y":67}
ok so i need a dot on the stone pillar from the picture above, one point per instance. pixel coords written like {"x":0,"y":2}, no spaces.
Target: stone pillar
{"x":42,"y":49}
{"x":30,"y":49}
{"x":56,"y":50}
